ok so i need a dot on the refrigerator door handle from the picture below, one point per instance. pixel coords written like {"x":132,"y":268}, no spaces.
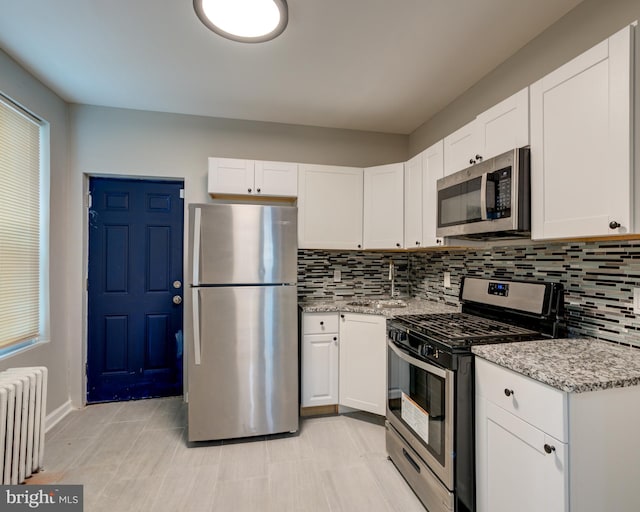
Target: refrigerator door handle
{"x":197,"y":221}
{"x":197,"y":348}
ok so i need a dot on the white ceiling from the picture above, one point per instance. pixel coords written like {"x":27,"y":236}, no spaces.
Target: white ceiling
{"x":379,"y":65}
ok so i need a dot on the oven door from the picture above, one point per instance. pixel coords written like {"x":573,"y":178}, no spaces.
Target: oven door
{"x":420,"y":407}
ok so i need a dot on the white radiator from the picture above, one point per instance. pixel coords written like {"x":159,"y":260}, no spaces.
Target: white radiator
{"x":23,"y":405}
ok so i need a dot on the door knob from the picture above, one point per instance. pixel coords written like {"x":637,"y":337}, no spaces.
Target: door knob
{"x":177,"y":284}
{"x":177,"y":299}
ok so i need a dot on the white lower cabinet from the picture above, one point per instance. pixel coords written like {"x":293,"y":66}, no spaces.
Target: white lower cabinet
{"x":320,"y":359}
{"x":363,"y":362}
{"x":541,"y":449}
{"x":345,"y":365}
{"x":519,"y":474}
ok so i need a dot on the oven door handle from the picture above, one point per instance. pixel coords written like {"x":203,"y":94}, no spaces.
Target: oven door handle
{"x":402,"y":354}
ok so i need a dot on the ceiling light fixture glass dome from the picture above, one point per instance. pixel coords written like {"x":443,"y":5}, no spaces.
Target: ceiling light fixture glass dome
{"x":248,"y":21}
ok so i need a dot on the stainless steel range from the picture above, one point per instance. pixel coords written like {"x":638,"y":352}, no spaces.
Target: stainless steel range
{"x":430,"y":411}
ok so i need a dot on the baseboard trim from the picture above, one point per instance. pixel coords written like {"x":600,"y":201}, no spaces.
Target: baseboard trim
{"x":55,"y":417}
{"x":319,"y":410}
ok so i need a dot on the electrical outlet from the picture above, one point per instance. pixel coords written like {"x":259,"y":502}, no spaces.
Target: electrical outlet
{"x":636,"y":301}
{"x":337,"y":276}
{"x":447,"y":279}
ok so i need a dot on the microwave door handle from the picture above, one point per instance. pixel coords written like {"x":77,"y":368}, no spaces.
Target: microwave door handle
{"x":483,"y":197}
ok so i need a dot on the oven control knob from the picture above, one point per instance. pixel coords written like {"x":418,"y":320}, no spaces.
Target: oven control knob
{"x":428,"y":350}
{"x":399,"y":335}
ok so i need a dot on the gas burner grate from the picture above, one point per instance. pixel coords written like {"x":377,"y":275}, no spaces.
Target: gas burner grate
{"x":461,"y":328}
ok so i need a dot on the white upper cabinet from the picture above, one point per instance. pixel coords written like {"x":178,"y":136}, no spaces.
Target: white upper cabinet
{"x":432,"y":171}
{"x":461,"y":148}
{"x":249,"y":177}
{"x":230,"y":176}
{"x":581,"y":133}
{"x":276,"y":178}
{"x":383,"y":207}
{"x":503,"y":127}
{"x":413,"y":202}
{"x":330,"y":207}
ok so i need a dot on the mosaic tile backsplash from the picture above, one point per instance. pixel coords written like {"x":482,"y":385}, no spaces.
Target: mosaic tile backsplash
{"x":363,"y":274}
{"x":598,"y":277}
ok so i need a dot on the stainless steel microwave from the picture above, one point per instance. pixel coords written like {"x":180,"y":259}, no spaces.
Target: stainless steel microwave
{"x":487,"y":200}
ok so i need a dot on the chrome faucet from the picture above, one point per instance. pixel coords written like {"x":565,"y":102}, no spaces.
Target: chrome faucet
{"x":392,"y":278}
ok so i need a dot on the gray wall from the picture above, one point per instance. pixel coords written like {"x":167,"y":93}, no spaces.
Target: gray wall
{"x":589,"y":23}
{"x":19,"y":85}
{"x":118,"y":142}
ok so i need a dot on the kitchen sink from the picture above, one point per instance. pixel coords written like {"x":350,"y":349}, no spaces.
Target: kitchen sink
{"x":380,"y":304}
{"x":361,"y":302}
{"x":391,"y":303}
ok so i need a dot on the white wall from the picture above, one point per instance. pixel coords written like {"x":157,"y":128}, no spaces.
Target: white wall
{"x":108,"y":141}
{"x":20,"y":86}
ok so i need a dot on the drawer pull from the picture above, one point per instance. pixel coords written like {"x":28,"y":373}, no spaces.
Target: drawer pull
{"x":508,"y":392}
{"x":549,"y":448}
{"x":411,"y":461}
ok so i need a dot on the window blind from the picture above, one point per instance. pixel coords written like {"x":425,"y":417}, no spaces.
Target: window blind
{"x":19,"y":226}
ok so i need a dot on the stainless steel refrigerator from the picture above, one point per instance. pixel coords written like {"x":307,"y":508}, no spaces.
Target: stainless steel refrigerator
{"x":243,"y":351}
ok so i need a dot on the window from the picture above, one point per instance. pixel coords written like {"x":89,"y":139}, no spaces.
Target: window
{"x":23,"y":268}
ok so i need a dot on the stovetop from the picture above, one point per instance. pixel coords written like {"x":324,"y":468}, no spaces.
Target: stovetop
{"x":444,"y":338}
{"x":457,"y":330}
{"x":493,"y":311}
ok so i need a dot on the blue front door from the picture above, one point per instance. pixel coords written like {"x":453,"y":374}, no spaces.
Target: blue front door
{"x":135,"y":289}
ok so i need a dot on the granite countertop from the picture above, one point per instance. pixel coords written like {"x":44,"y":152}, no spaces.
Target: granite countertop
{"x":414,"y":307}
{"x":572,"y":365}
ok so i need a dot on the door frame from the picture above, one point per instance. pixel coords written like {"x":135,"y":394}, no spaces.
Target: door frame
{"x":86,"y":179}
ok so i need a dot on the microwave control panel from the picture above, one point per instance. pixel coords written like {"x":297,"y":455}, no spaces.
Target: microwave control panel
{"x":499,"y":194}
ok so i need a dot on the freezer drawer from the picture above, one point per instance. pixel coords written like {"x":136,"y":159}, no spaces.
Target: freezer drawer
{"x":243,"y":244}
{"x":246,"y":382}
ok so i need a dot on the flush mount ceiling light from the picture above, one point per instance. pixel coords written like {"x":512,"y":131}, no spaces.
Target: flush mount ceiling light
{"x":248,"y":21}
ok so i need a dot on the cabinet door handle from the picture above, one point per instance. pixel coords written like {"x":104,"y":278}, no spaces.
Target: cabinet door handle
{"x":397,"y":245}
{"x":258,"y":191}
{"x":417,"y":243}
{"x":341,"y":316}
{"x":479,"y":158}
{"x":508,"y":392}
{"x":321,"y":323}
{"x":335,"y":338}
{"x":471,"y":161}
{"x":249,"y":190}
{"x":549,"y":448}
{"x":614,"y":225}
{"x":359,"y":246}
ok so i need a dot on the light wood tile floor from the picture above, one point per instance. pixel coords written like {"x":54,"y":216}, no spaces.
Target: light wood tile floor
{"x":133,"y":456}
